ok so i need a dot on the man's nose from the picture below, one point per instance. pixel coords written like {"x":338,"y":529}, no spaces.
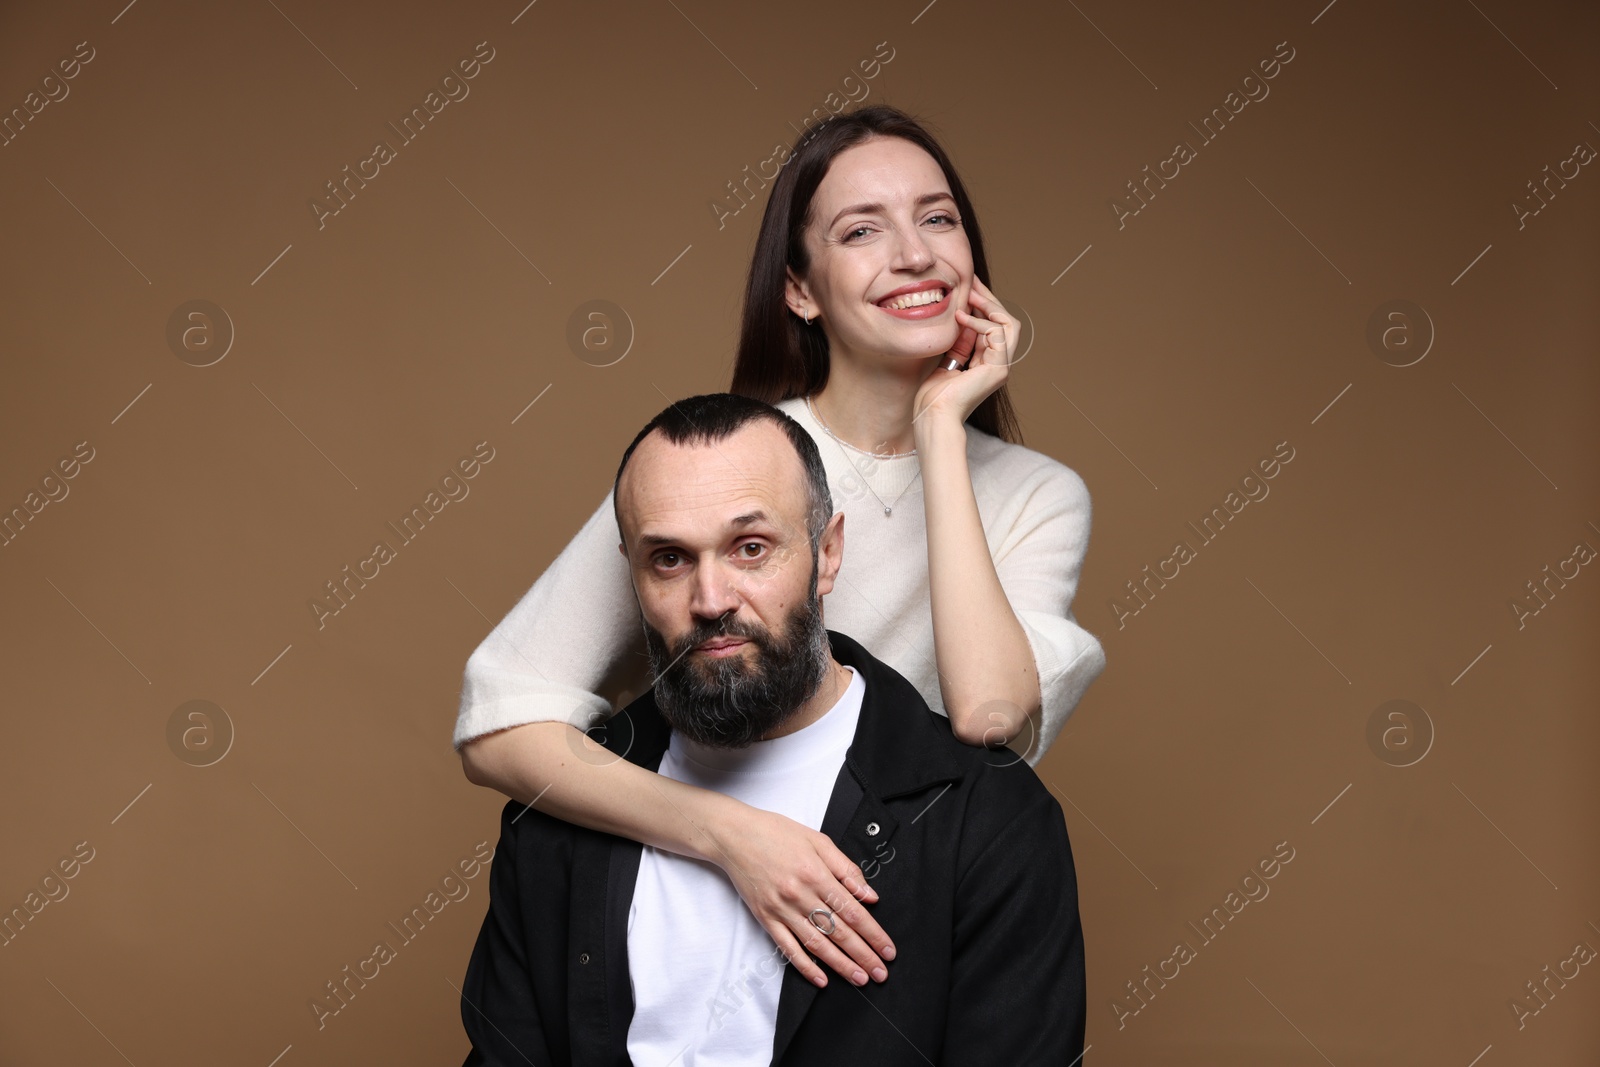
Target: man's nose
{"x":715,"y":594}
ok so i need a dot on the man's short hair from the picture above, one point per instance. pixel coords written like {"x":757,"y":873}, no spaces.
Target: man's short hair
{"x":712,"y":417}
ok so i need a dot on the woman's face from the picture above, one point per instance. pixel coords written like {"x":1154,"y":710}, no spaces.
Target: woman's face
{"x":883,"y":219}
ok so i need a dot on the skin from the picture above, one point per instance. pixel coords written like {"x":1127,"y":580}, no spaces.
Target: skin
{"x":886,"y":390}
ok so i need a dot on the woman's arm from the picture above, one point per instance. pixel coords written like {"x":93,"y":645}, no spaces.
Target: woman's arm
{"x":1010,"y":656}
{"x":981,"y":604}
{"x":987,"y":676}
{"x":781,"y":868}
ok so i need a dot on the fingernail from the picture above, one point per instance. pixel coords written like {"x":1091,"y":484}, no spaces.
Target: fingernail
{"x":821,"y":980}
{"x":859,"y":978}
{"x":880,"y":974}
{"x":887,"y":952}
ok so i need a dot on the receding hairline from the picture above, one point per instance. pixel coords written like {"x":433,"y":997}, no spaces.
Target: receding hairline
{"x":746,"y":518}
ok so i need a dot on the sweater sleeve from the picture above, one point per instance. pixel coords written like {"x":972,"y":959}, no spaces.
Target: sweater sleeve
{"x":1038,"y":566}
{"x":571,"y":635}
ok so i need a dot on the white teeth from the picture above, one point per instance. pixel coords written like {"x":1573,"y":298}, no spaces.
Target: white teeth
{"x":911,"y":300}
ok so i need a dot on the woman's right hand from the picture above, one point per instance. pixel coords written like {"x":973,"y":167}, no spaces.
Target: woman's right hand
{"x":783,"y":869}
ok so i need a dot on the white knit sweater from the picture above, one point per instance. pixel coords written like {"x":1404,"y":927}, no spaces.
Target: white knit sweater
{"x":577,"y":632}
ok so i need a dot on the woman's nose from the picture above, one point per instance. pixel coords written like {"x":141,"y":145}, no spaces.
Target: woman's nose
{"x":912,"y":252}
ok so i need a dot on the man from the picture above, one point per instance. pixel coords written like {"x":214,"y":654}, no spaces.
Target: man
{"x":598,"y":950}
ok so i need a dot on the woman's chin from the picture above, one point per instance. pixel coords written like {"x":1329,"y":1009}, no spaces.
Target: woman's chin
{"x":919,"y":344}
{"x":907,"y":345}
{"x":924,"y":351}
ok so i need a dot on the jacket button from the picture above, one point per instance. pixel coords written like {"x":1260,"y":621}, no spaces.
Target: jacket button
{"x":583,"y":957}
{"x":872,"y":829}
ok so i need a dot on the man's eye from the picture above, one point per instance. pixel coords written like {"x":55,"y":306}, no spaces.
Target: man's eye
{"x":667,"y":559}
{"x":760,"y":548}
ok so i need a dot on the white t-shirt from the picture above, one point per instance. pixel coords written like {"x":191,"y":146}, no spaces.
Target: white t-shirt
{"x":576,"y":632}
{"x":705,"y":975}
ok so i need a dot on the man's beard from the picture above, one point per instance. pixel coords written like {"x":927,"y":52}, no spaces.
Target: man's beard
{"x":723,"y":702}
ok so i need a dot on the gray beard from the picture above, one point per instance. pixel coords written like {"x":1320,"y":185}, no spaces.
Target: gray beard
{"x":724,"y":703}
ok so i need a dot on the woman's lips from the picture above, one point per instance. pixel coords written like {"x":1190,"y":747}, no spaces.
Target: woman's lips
{"x":925,"y":311}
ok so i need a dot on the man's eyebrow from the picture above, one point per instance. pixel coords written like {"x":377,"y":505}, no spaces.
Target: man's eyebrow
{"x":866,"y":209}
{"x":749,"y":518}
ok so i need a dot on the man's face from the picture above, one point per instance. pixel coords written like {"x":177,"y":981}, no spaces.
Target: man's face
{"x":728,"y":583}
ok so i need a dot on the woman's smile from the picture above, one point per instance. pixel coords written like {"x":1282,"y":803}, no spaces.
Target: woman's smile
{"x":924,"y":300}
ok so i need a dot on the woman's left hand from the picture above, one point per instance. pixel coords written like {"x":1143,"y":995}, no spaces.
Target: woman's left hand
{"x":954,"y":394}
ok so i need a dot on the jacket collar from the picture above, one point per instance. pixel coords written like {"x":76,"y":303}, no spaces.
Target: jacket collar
{"x":897,"y":748}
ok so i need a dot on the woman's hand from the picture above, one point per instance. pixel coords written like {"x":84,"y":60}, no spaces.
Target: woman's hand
{"x":953,"y":394}
{"x":783,"y":870}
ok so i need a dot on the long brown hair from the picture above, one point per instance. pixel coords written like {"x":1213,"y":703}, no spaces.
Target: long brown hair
{"x":780,"y":356}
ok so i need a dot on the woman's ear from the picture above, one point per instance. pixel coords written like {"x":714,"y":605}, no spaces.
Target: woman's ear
{"x":795,"y":295}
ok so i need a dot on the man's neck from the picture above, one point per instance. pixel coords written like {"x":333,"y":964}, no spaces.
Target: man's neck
{"x":834,"y":683}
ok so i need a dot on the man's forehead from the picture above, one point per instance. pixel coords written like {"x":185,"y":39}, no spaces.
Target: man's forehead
{"x":671,"y":527}
{"x":741,"y":481}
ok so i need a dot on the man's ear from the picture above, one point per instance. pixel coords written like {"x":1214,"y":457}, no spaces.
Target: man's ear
{"x":830,"y":553}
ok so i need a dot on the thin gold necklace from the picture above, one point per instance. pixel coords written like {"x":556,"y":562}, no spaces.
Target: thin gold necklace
{"x":888,"y":506}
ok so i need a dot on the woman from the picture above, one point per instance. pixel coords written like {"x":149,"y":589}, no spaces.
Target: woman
{"x":962,"y":553}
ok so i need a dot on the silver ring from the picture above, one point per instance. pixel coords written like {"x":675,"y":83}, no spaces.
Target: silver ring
{"x":813,"y":917}
{"x":952,"y":364}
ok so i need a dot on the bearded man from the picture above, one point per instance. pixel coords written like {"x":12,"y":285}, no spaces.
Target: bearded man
{"x":599,"y":950}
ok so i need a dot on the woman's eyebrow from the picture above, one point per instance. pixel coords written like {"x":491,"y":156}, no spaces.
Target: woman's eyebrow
{"x":866,"y":209}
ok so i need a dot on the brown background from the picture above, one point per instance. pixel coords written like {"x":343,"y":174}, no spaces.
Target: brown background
{"x":369,"y":355}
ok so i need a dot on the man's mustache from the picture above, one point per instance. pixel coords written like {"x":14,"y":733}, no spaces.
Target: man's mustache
{"x":703,"y":631}
{"x":731,"y":628}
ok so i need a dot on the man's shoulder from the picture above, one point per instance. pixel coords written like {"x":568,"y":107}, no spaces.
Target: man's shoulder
{"x":999,"y":783}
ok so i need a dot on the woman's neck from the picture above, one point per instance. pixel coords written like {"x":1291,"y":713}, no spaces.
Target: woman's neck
{"x":872,"y":411}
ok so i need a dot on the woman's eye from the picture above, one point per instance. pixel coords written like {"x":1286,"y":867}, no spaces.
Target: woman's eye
{"x":944,"y":219}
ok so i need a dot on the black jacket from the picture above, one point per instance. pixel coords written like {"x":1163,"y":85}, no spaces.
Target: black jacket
{"x":968,"y":852}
